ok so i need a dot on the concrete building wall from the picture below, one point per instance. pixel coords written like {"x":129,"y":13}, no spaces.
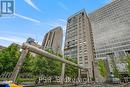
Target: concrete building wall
{"x":53,"y":40}
{"x":111,"y":31}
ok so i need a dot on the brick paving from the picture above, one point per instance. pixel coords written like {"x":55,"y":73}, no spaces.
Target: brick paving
{"x":90,"y":85}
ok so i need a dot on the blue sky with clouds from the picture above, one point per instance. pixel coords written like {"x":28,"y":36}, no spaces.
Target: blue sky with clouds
{"x":34,"y":18}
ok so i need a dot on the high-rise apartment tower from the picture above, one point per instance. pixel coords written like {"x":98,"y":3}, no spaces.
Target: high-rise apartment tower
{"x":53,"y":40}
{"x":79,"y":42}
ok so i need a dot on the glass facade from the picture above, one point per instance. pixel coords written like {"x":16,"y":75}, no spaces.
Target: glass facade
{"x":111,"y":28}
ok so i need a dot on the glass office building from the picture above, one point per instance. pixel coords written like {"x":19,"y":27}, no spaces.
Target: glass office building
{"x":111,"y":29}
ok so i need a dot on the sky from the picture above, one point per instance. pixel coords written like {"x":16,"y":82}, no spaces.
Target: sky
{"x":34,"y":18}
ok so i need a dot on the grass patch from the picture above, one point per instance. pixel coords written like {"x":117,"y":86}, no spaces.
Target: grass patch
{"x":25,"y":79}
{"x":4,"y":79}
{"x":19,"y":79}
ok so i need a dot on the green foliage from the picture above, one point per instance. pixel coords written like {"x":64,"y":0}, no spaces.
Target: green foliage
{"x":52,"y":52}
{"x":26,"y":79}
{"x":1,"y":68}
{"x":128,"y":66}
{"x":39,"y":65}
{"x":27,"y":66}
{"x":116,"y":72}
{"x":9,"y":57}
{"x":48,"y":67}
{"x":71,"y":71}
{"x":102,"y":68}
{"x":34,"y":65}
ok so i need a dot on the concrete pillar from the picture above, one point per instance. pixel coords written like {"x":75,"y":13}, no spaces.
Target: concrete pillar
{"x":19,"y":65}
{"x":88,"y":77}
{"x":63,"y":73}
{"x":93,"y":70}
{"x":79,"y":75}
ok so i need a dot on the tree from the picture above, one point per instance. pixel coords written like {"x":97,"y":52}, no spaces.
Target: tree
{"x":39,"y":65}
{"x":9,"y":57}
{"x":115,"y":70}
{"x":1,"y":68}
{"x":70,"y":70}
{"x":128,"y":66}
{"x":35,"y":65}
{"x":102,"y":68}
{"x":27,"y":65}
{"x":43,"y":65}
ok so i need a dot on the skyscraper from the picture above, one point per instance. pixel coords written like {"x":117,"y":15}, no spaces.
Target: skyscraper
{"x":79,"y":42}
{"x":53,"y":40}
{"x":111,"y":29}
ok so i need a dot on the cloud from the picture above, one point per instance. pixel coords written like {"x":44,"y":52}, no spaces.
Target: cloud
{"x":63,"y":20}
{"x":12,"y":39}
{"x":32,"y":5}
{"x":58,"y":22}
{"x":63,"y":23}
{"x":8,"y":37}
{"x":62,"y":5}
{"x":27,"y":18}
{"x":6,"y":41}
{"x":22,"y":35}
